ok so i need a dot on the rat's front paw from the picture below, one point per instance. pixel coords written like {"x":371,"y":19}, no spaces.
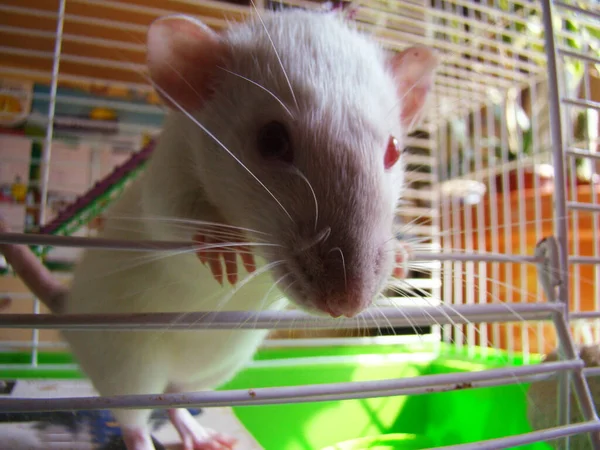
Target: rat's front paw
{"x":194,"y":436}
{"x":214,"y":442}
{"x":213,"y":248}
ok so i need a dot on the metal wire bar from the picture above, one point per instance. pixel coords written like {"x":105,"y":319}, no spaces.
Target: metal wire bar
{"x":445,"y":223}
{"x":584,"y":315}
{"x":492,"y":77}
{"x":292,"y":394}
{"x":560,"y":198}
{"x":63,"y":77}
{"x":582,"y":389}
{"x":577,"y":9}
{"x":231,"y":8}
{"x":152,"y":246}
{"x":469,"y":267}
{"x":591,"y":372}
{"x":579,"y":55}
{"x":537,"y":207}
{"x":45,"y":166}
{"x":582,"y":153}
{"x":494,"y":219}
{"x":584,"y":260}
{"x":29,"y":344}
{"x":114,"y":104}
{"x":450,"y":31}
{"x":189,"y":321}
{"x":95,"y":243}
{"x":79,"y":38}
{"x":579,"y":206}
{"x":529,"y":438}
{"x":582,"y":103}
{"x":482,"y":329}
{"x":132,"y":27}
{"x":85,"y":60}
{"x":475,"y":257}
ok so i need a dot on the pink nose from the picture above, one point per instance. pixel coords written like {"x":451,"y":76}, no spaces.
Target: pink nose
{"x":336,"y":311}
{"x":331,"y":312}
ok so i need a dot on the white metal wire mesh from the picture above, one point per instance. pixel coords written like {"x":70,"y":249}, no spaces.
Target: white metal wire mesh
{"x":492,"y":124}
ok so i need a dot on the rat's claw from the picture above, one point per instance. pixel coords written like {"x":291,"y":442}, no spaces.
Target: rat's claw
{"x":247,"y":258}
{"x":216,"y":267}
{"x":200,"y":253}
{"x":223,"y":442}
{"x":213,"y":254}
{"x":230,"y":266}
{"x":194,"y":436}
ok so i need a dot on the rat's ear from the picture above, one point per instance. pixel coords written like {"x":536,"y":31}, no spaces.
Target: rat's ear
{"x":182,"y":57}
{"x":414,"y":69}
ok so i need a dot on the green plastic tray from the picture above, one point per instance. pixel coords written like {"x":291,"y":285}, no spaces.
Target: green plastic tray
{"x":403,"y":423}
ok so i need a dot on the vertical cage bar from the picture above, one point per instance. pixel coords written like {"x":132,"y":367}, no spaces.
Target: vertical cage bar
{"x":455,"y":171}
{"x":507,"y":223}
{"x":459,"y":228}
{"x":47,"y":151}
{"x":469,"y":272}
{"x":481,"y":232}
{"x":517,"y":140}
{"x":491,"y":127}
{"x":457,"y":269}
{"x":575,"y":249}
{"x":582,"y":389}
{"x":560,"y":199}
{"x":35,"y":336}
{"x":593,"y":144}
{"x":436,"y":272}
{"x":521,"y":187}
{"x":537,"y":207}
{"x":591,"y":140}
{"x":447,"y":266}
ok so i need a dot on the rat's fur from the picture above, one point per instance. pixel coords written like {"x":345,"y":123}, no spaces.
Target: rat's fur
{"x":347,"y":108}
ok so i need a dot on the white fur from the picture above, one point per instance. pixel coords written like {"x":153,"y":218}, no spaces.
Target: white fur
{"x":347,"y":108}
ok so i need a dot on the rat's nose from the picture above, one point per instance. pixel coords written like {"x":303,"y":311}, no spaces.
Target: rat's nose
{"x":333,"y":313}
{"x":342,"y":307}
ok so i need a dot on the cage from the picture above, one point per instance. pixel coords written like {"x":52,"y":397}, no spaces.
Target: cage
{"x":501,"y":209}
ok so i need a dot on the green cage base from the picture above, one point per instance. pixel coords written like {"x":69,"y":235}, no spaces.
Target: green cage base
{"x":402,"y":422}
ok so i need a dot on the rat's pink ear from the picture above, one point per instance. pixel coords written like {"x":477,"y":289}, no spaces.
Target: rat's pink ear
{"x":182,"y":56}
{"x":414,"y":69}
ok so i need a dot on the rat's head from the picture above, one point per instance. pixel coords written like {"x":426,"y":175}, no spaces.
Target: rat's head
{"x":313,"y":116}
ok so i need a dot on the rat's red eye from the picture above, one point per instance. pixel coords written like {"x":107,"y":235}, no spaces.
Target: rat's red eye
{"x":392,"y":153}
{"x":274,"y":142}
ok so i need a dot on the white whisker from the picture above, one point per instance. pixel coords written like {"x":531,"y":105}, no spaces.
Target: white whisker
{"x":276,"y":53}
{"x":343,"y":263}
{"x":262,"y":87}
{"x":203,"y":128}
{"x":301,"y":175}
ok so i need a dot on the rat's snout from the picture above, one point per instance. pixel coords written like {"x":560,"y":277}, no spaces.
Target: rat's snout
{"x":338,"y":261}
{"x":344,"y":305}
{"x":335,"y":279}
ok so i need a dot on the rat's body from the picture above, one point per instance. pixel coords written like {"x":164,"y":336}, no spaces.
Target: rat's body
{"x":171,"y":361}
{"x":323,"y":194}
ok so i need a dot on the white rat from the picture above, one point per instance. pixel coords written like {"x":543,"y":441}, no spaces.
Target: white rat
{"x":310,"y":116}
